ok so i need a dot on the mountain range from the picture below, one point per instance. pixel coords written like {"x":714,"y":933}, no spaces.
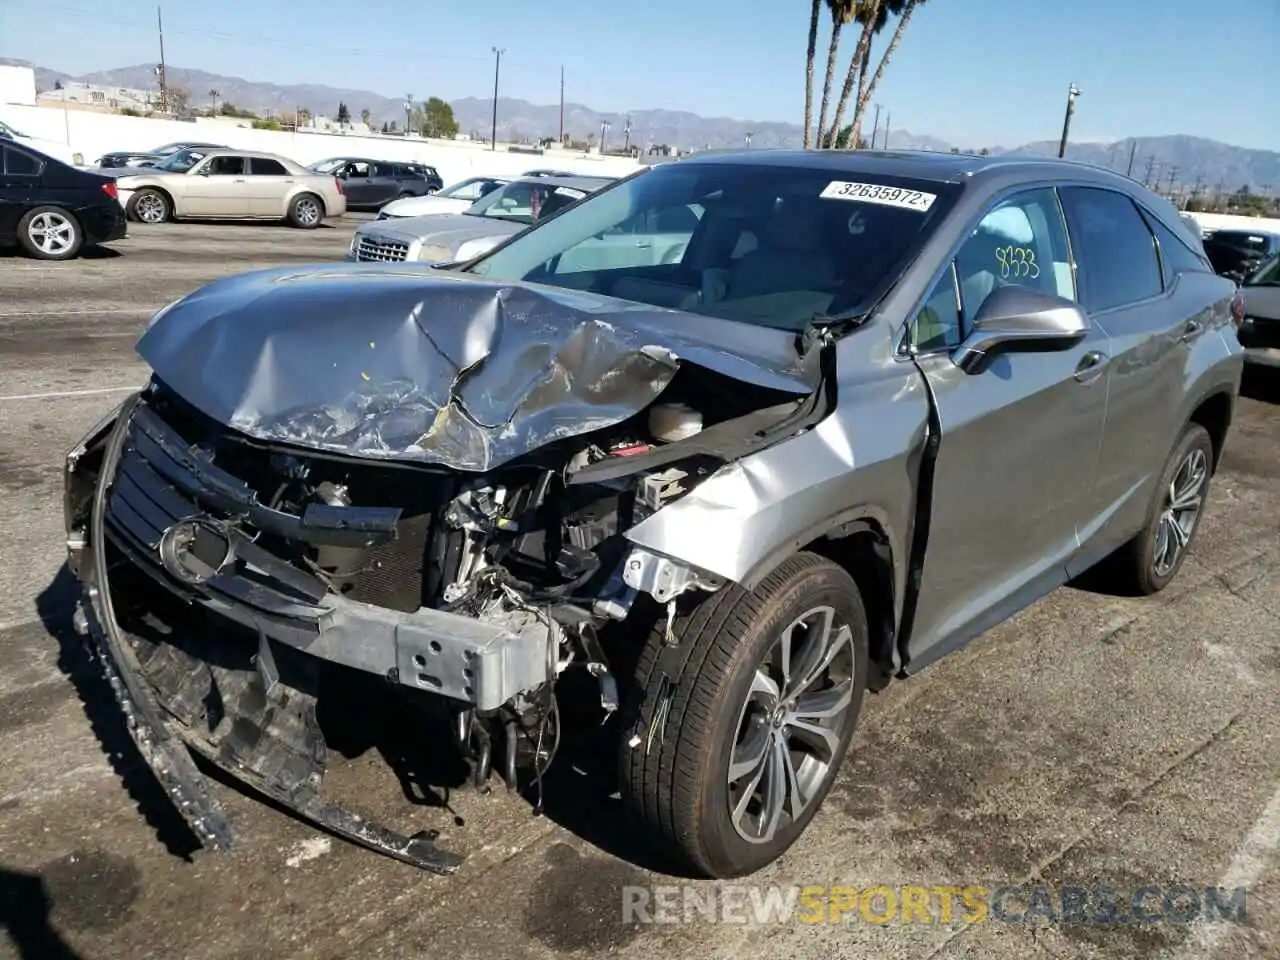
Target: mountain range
{"x":1187,"y":159}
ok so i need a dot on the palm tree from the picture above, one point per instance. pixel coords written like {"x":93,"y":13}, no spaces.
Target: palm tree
{"x":842,"y":12}
{"x":874,"y":16}
{"x":213,"y":95}
{"x":808,"y":73}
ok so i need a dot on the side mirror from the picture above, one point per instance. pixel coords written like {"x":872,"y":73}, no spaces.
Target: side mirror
{"x":1023,"y":319}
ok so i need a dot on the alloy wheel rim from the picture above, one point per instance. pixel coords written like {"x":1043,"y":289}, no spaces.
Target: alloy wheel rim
{"x":307,"y":211}
{"x":52,"y":233}
{"x":1182,"y":503}
{"x":789,"y":728}
{"x":150,"y":208}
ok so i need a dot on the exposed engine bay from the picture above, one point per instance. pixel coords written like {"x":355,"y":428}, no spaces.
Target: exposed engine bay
{"x":473,"y":592}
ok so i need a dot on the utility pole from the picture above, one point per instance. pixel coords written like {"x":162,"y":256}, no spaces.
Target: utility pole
{"x":875,"y":129}
{"x":1173,"y":172}
{"x":627,"y":132}
{"x":408,"y":114}
{"x":164,"y":80}
{"x":1151,"y":165}
{"x":1072,"y":92}
{"x":497,"y":65}
{"x":747,"y":137}
{"x":887,"y":117}
{"x":604,"y":132}
{"x":561,"y":140}
{"x":1133,"y":149}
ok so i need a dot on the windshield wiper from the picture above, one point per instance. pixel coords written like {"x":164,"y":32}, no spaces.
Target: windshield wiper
{"x":824,"y":327}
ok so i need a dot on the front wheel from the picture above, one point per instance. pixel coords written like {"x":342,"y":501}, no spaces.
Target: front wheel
{"x":732,"y":739}
{"x":50,"y":233}
{"x":149,"y":206}
{"x":306,"y":211}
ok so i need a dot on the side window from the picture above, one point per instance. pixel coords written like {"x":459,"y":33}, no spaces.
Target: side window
{"x":1175,"y":256}
{"x":19,"y":164}
{"x":388,"y":170}
{"x":357,"y":170}
{"x":1114,"y":249}
{"x":266,"y":167}
{"x":1021,"y":241}
{"x":937,"y":325}
{"x":227,"y":166}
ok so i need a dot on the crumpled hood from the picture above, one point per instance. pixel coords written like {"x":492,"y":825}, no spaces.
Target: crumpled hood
{"x":411,"y":364}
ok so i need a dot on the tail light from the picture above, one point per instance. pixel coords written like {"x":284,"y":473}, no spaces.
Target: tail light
{"x":1237,"y":310}
{"x":337,"y":182}
{"x":109,"y":188}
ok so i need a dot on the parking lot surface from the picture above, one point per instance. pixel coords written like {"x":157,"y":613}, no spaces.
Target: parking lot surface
{"x":1091,"y":741}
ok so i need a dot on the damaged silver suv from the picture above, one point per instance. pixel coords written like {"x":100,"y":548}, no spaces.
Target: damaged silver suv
{"x":733,"y":441}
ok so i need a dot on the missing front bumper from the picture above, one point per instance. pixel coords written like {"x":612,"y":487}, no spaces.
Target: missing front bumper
{"x":258,"y":761}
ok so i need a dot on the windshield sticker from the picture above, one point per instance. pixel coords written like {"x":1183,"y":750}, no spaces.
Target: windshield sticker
{"x":880,"y":194}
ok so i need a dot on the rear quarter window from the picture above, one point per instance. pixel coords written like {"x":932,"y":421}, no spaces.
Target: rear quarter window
{"x":1114,"y":249}
{"x":19,"y":164}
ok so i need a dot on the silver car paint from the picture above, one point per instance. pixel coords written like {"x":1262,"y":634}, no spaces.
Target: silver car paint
{"x":1012,"y":506}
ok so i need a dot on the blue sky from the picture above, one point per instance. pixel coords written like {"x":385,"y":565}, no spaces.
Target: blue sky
{"x":973,"y":72}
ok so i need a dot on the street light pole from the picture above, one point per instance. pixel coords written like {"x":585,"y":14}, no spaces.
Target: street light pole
{"x":1072,"y":92}
{"x":604,"y":131}
{"x":875,"y":129}
{"x":497,"y":65}
{"x":408,"y":114}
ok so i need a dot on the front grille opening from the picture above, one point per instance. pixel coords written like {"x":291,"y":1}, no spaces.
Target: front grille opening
{"x":383,"y":251}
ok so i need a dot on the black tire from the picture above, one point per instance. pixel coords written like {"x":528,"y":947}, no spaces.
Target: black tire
{"x":404,"y":195}
{"x":306,"y":211}
{"x":1135,"y":568}
{"x":50,"y":233}
{"x":149,"y":205}
{"x":675,"y":779}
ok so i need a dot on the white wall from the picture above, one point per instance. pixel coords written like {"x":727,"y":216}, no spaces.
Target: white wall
{"x":1231,"y":221}
{"x":17,"y":85}
{"x":94,"y":134}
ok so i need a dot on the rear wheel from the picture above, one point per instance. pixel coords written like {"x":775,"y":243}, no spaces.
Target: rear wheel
{"x":733,"y":738}
{"x":1149,"y":562}
{"x":50,"y":233}
{"x":149,"y":206}
{"x":306,"y":210}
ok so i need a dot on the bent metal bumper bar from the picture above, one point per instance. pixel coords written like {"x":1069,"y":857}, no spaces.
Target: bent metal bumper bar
{"x":166,"y":752}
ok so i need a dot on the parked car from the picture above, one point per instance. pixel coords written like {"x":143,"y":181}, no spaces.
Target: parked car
{"x":502,"y":213}
{"x":372,"y":183}
{"x":1260,"y":332}
{"x":52,"y":210}
{"x":50,"y":148}
{"x":454,"y":198}
{"x":231,"y":184}
{"x":149,"y":158}
{"x":871,"y":411}
{"x":1236,"y":254}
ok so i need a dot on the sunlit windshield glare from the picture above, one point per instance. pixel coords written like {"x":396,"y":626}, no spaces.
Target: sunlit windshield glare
{"x":326,"y":166}
{"x":758,"y":244}
{"x":525,"y":202}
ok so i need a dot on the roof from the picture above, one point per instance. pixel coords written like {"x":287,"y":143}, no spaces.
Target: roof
{"x":918,"y":164}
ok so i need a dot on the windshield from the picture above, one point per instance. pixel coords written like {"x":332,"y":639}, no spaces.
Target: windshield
{"x":326,"y":166}
{"x":525,"y":202}
{"x":761,"y":244}
{"x":167,"y":149}
{"x":8,"y":131}
{"x":180,"y":162}
{"x":471,"y":189}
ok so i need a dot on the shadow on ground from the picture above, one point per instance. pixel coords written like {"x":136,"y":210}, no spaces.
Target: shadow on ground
{"x":24,"y":916}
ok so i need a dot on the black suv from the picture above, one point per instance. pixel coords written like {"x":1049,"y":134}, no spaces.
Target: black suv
{"x":369,"y":184}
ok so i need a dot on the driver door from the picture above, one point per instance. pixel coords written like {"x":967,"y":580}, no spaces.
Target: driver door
{"x":1018,"y":439}
{"x":357,"y":184}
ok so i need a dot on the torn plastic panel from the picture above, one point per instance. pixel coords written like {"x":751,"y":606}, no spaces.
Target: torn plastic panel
{"x":431,"y":368}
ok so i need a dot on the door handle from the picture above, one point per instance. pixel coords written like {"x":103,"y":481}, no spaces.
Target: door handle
{"x":1189,"y":331}
{"x":1091,"y":366}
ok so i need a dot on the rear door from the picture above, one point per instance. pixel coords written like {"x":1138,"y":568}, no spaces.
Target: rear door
{"x":19,"y":178}
{"x":385,"y":183}
{"x":269,"y":184}
{"x":1018,"y":440}
{"x":1150,"y":330}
